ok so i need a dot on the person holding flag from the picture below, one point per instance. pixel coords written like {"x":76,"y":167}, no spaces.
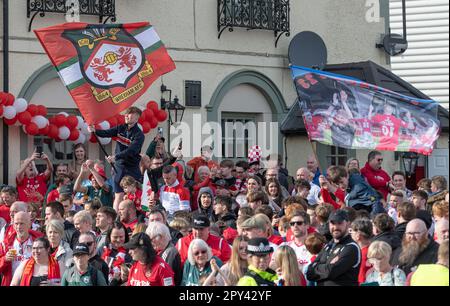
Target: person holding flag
{"x":127,"y":156}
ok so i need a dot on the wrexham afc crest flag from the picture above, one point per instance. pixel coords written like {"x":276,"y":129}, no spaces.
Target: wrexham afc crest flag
{"x":106,"y":68}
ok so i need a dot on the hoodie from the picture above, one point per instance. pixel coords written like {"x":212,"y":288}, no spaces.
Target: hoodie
{"x":209,"y":211}
{"x":378,"y":179}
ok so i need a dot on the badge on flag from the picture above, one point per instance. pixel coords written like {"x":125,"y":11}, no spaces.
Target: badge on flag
{"x":106,"y":68}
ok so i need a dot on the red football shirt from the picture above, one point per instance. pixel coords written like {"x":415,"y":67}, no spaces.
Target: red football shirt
{"x":32,"y":190}
{"x":390,"y":126}
{"x":160,"y":274}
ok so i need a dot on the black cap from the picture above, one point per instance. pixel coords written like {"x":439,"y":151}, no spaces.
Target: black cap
{"x":138,"y":240}
{"x":339,"y":216}
{"x":259,"y":246}
{"x":81,"y":249}
{"x":66,"y":189}
{"x":201,"y":221}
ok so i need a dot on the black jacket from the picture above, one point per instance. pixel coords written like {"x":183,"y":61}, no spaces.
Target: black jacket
{"x":324,"y":229}
{"x":428,"y":256}
{"x":171,"y":256}
{"x":400,"y":229}
{"x":390,"y":238}
{"x":71,"y":234}
{"x":100,"y":265}
{"x":344,"y":272}
{"x":129,"y":145}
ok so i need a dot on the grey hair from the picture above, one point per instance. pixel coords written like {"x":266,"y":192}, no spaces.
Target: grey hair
{"x":199,"y":243}
{"x":84,"y":216}
{"x":203,"y":168}
{"x":157,"y":228}
{"x":57,"y":225}
{"x":21,"y":206}
{"x":350,"y":160}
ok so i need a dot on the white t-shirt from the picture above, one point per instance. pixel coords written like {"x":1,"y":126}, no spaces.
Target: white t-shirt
{"x":303,"y":256}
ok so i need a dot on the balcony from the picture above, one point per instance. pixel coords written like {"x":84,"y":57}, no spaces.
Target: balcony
{"x":101,"y":8}
{"x":272,"y":15}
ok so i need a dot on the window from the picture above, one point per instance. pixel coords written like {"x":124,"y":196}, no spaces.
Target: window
{"x":238,"y":135}
{"x":337,"y":157}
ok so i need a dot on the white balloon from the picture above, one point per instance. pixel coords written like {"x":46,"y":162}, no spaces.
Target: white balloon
{"x":20,"y":105}
{"x":9,"y":112}
{"x":104,"y":141}
{"x":84,"y":129}
{"x":104,"y":125}
{"x":81,"y":139}
{"x":64,"y":113}
{"x":80,"y":122}
{"x":140,"y":126}
{"x":64,"y":132}
{"x":40,"y":121}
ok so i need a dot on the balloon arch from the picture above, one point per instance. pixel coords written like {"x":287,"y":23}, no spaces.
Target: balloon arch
{"x":62,"y":126}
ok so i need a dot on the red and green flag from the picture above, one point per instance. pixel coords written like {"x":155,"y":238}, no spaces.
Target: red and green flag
{"x":106,"y":68}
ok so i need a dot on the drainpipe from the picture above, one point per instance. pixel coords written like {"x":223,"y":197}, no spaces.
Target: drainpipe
{"x":5,"y":88}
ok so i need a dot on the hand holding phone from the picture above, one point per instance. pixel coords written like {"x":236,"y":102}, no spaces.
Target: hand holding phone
{"x":39,"y":151}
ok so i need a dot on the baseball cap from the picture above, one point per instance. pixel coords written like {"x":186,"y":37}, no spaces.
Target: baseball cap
{"x":258,"y":221}
{"x":201,"y":221}
{"x":339,"y":216}
{"x":259,"y":246}
{"x":100,"y":171}
{"x":66,"y":189}
{"x":138,"y":240}
{"x":81,"y":249}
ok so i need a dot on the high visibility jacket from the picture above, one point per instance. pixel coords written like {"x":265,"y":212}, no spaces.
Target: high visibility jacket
{"x":430,"y":275}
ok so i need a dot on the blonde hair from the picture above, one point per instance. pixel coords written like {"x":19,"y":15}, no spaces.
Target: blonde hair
{"x":440,"y":209}
{"x":84,"y":216}
{"x":57,"y":225}
{"x":379,"y":249}
{"x":139,"y":228}
{"x":286,"y":260}
{"x":180,"y":224}
{"x":237,"y":265}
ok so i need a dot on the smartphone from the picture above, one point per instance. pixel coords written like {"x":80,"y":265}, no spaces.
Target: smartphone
{"x":160,"y":131}
{"x":180,"y":145}
{"x":39,"y":150}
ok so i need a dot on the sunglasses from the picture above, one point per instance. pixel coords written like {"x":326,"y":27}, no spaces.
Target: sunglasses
{"x":200,"y":253}
{"x":299,"y":223}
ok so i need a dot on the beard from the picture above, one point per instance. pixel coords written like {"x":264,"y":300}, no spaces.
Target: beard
{"x":412,"y":249}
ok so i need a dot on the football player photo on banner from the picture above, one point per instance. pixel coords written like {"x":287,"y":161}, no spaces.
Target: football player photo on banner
{"x":348,"y":113}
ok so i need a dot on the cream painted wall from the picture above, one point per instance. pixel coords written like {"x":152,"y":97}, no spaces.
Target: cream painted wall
{"x":189,"y":30}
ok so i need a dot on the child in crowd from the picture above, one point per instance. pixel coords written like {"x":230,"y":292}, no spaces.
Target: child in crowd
{"x":131,"y":191}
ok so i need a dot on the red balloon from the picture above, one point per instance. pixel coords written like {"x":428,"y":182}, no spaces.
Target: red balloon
{"x":32,"y":109}
{"x":9,"y":99}
{"x":57,"y":139}
{"x":42,"y":110}
{"x":1,"y":109}
{"x":72,"y":123}
{"x":32,"y":129}
{"x":152,"y":105}
{"x":146,"y":127}
{"x":153,"y":122}
{"x":2,"y":97}
{"x":53,"y":131}
{"x":51,"y":120}
{"x":148,"y":114}
{"x":44,"y":131}
{"x":112,"y":121}
{"x":10,"y":121}
{"x":60,"y":120}
{"x":93,"y":139}
{"x":24,"y":117}
{"x":74,"y":134}
{"x":161,"y":115}
{"x":143,"y":117}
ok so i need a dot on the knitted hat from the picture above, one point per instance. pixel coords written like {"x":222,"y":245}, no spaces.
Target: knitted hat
{"x":254,"y":154}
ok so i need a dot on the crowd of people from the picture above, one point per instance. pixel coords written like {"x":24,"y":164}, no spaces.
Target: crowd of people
{"x":204,"y":223}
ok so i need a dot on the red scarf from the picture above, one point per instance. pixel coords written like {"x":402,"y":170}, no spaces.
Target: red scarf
{"x":118,"y":260}
{"x":53,"y":271}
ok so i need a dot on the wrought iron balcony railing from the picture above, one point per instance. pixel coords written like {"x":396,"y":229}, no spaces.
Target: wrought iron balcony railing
{"x":270,"y":15}
{"x":101,"y":8}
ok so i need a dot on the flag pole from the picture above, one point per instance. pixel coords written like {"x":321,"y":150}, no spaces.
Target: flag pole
{"x":314,"y":148}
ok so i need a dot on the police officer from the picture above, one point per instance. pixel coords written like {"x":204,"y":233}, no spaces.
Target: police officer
{"x":259,"y":273}
{"x":338,"y":262}
{"x":126,"y":160}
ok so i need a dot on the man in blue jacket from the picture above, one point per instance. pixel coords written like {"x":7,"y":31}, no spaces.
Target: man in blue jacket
{"x":127,"y":156}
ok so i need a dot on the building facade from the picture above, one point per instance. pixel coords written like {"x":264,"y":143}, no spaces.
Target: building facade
{"x":243,"y":76}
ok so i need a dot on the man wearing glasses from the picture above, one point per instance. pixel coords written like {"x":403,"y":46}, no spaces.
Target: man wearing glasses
{"x":417,"y":248}
{"x":94,"y":259}
{"x":376,"y":177}
{"x":299,"y":225}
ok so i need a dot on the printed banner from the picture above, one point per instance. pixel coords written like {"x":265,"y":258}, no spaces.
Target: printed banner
{"x":106,"y":68}
{"x":345,"y":112}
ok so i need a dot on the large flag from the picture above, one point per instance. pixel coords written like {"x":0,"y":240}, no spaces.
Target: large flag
{"x":106,"y":68}
{"x":348,"y":113}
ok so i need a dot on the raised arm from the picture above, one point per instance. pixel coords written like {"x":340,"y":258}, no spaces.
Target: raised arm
{"x":21,"y":172}
{"x":83,"y":174}
{"x":49,"y":170}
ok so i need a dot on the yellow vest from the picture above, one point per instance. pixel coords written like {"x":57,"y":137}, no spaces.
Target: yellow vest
{"x":430,"y":275}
